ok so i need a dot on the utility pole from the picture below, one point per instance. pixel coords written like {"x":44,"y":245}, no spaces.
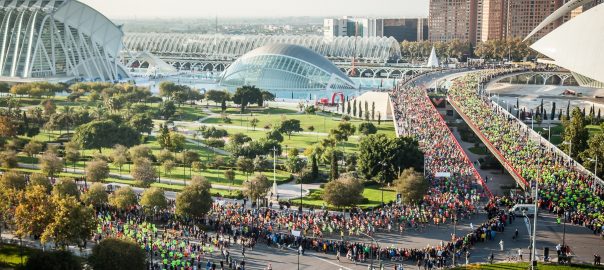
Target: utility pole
{"x":275,"y":171}
{"x":533,"y":255}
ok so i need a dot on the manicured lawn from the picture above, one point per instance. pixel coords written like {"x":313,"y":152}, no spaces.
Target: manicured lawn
{"x":524,"y":266}
{"x":10,"y":255}
{"x":321,"y":123}
{"x":372,"y":194}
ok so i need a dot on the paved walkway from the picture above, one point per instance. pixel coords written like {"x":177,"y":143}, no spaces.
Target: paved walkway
{"x":286,"y":191}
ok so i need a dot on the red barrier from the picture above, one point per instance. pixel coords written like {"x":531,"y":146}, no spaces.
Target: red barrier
{"x":484,"y":185}
{"x":484,"y":139}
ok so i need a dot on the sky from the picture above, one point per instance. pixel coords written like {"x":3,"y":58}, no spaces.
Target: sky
{"x":144,"y":9}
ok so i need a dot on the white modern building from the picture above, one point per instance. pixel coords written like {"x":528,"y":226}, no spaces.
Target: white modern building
{"x":63,"y":39}
{"x":577,"y":44}
{"x":353,"y":27}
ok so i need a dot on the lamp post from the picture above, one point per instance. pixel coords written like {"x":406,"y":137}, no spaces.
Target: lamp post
{"x":595,"y":166}
{"x":275,"y":171}
{"x":371,"y":252}
{"x":454,"y":234}
{"x":534,"y":257}
{"x":570,"y":148}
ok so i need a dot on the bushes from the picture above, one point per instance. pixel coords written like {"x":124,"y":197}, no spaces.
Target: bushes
{"x":53,"y":260}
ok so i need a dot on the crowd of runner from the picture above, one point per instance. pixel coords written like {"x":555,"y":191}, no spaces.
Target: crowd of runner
{"x":562,"y":185}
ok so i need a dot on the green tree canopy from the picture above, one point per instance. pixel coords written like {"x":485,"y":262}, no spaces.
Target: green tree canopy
{"x":411,"y":185}
{"x":256,"y":188}
{"x":343,"y":192}
{"x":117,"y":254}
{"x":290,"y":126}
{"x":99,"y":134}
{"x":97,"y":170}
{"x":96,"y":195}
{"x":65,"y":187}
{"x":381,"y":158}
{"x":154,"y":199}
{"x":195,"y":199}
{"x":123,"y":198}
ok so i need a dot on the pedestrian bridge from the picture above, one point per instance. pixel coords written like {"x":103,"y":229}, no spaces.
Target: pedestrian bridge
{"x":530,"y":134}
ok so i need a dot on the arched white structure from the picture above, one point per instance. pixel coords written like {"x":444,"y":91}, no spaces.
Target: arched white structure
{"x":231,"y":47}
{"x":58,"y":38}
{"x":285,"y":67}
{"x":559,"y":13}
{"x":577,"y":44}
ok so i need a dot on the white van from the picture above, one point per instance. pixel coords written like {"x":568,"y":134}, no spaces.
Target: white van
{"x":522,"y":209}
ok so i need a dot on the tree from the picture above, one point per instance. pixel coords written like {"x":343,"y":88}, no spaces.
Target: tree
{"x":345,"y":191}
{"x":314,"y":169}
{"x":168,"y":166}
{"x":123,"y":198}
{"x":373,"y":111}
{"x":141,"y":122}
{"x":72,"y":153}
{"x":65,"y":187}
{"x":141,"y":152}
{"x":198,"y":166}
{"x":50,"y":164}
{"x":344,"y":130}
{"x":34,"y":212}
{"x":96,"y":195}
{"x":33,"y":147}
{"x":99,"y":134}
{"x":8,"y":159}
{"x":153,"y":199}
{"x":167,"y":109}
{"x":367,"y":128}
{"x":411,"y":185}
{"x":37,"y":179}
{"x":290,"y":126}
{"x":119,"y":156}
{"x":218,"y":96}
{"x":12,"y":180}
{"x":266,"y":96}
{"x":260,"y":163}
{"x":354,"y":107}
{"x":143,"y":172}
{"x":333,"y":172}
{"x":348,"y":107}
{"x":274,"y":135}
{"x":381,"y":158}
{"x":73,"y":223}
{"x":195,"y":199}
{"x":254,"y":122}
{"x":576,"y":133}
{"x":294,"y":164}
{"x":53,"y":260}
{"x":230,"y":175}
{"x":245,"y":165}
{"x":246,"y":95}
{"x":97,"y":170}
{"x":256,"y":188}
{"x":117,"y":254}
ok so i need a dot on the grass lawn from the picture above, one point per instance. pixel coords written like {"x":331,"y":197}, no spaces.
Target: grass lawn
{"x":372,"y":194}
{"x":524,"y":266}
{"x":321,"y":123}
{"x":10,"y":255}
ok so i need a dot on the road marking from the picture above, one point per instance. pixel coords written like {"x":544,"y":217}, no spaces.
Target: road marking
{"x":319,"y":258}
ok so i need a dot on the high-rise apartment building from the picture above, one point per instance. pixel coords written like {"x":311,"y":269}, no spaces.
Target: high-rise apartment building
{"x":452,"y":19}
{"x":482,"y":20}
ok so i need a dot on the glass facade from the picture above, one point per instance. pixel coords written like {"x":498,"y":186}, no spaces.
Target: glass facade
{"x":285,"y":67}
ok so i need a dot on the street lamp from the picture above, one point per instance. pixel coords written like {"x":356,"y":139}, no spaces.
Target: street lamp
{"x":595,"y":166}
{"x":371,"y":252}
{"x":533,"y":256}
{"x":570,"y":147}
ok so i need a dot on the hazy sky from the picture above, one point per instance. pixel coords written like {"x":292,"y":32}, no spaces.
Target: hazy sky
{"x":129,"y":9}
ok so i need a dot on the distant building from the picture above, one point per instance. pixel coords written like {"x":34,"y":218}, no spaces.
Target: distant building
{"x":483,"y":20}
{"x":452,"y":19}
{"x":401,"y":29}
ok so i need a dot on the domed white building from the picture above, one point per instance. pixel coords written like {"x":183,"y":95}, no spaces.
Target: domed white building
{"x":58,"y":39}
{"x":285,"y":67}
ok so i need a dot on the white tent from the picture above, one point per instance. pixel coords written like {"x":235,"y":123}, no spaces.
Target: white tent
{"x":433,"y":59}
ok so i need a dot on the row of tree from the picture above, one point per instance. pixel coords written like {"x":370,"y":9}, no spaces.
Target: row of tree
{"x":514,"y":49}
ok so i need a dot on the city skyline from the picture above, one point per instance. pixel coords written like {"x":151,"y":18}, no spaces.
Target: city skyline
{"x":132,"y":9}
